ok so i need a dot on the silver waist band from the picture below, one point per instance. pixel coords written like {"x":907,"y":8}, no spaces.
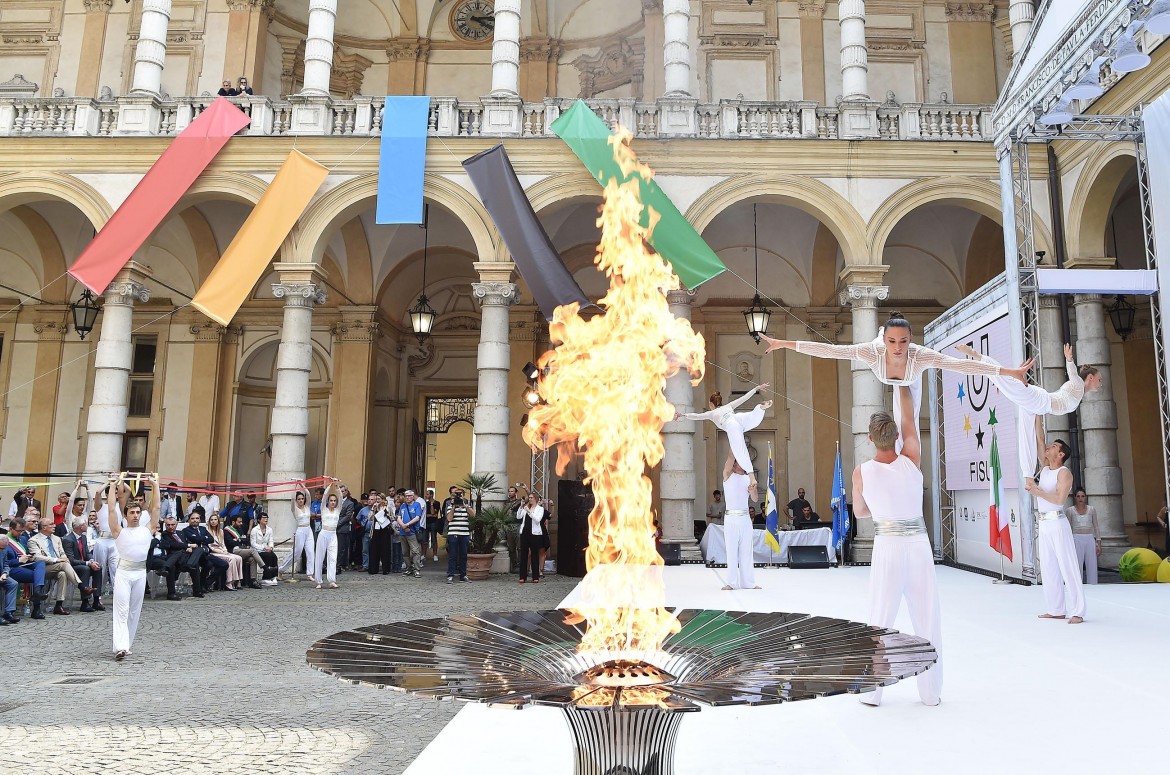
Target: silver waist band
{"x":737,"y":513}
{"x":899,"y":527}
{"x":105,"y":534}
{"x":1044,"y":516}
{"x":124,"y":564}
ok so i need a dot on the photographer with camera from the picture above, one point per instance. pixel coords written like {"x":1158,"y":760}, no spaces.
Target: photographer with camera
{"x":458,"y":513}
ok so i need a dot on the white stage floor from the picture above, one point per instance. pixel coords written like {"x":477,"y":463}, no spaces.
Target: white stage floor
{"x":1020,"y":693}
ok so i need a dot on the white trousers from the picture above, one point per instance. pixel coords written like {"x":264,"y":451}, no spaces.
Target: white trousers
{"x":737,"y":530}
{"x":105,"y":554}
{"x":903,"y":567}
{"x":129,"y":587}
{"x":327,"y":552}
{"x":302,"y":542}
{"x":737,"y":425}
{"x":1086,"y":555}
{"x":1031,"y":401}
{"x":1061,"y":573}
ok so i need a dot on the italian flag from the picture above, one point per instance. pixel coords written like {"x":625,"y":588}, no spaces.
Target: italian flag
{"x":1001,"y":537}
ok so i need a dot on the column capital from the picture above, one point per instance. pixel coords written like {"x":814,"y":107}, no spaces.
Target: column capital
{"x":1088,"y":298}
{"x":496,"y":294}
{"x":1049,"y":302}
{"x":1091,"y":263}
{"x":213,"y":332}
{"x":495,"y":271}
{"x":50,"y":330}
{"x":864,"y":296}
{"x":681,"y":296}
{"x":357,"y":324}
{"x":129,"y":285}
{"x":98,"y":6}
{"x":970,"y":12}
{"x":238,"y":6}
{"x":814,"y":9}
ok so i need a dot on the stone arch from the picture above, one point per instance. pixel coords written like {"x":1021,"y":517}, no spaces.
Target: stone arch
{"x":246,"y":189}
{"x":52,"y":257}
{"x":22,"y":188}
{"x":980,"y":196}
{"x":309,"y":239}
{"x":806,"y":194}
{"x":1092,"y":199}
{"x":565,"y":187}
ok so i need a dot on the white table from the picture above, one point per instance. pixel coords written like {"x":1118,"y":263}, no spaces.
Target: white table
{"x":714,"y":544}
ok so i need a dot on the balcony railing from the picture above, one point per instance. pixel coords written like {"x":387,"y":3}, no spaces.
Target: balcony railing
{"x":452,"y":117}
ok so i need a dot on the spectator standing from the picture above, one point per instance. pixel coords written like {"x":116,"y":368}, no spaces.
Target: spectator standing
{"x":170,"y":504}
{"x":796,"y":506}
{"x":1082,"y":518}
{"x":716,"y":509}
{"x":458,"y":515}
{"x":434,"y":524}
{"x":61,"y":515}
{"x":363,"y":521}
{"x":532,"y":523}
{"x":410,"y":516}
{"x":348,"y":513}
{"x":381,"y":530}
{"x":243,"y":88}
{"x":226,"y":90}
{"x":237,"y":506}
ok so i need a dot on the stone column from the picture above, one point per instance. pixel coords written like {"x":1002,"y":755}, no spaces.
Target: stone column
{"x":151,"y":52}
{"x":677,"y":480}
{"x":302,"y":288}
{"x":108,"y":409}
{"x":319,"y":47}
{"x":247,"y":34}
{"x":93,"y":42}
{"x":868,"y":396}
{"x":1020,"y":15}
{"x":854,"y":55}
{"x":676,"y":47}
{"x":506,"y":49}
{"x":812,"y":50}
{"x":1098,"y":420}
{"x":496,"y":293}
{"x":355,"y":338}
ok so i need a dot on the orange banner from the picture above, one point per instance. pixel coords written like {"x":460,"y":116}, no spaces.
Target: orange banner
{"x":247,"y":258}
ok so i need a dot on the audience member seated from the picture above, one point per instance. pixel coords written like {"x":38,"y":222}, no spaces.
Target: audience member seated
{"x":807,"y":518}
{"x":187,"y":557}
{"x":25,"y":568}
{"x":8,"y":587}
{"x":197,"y":535}
{"x":235,"y":563}
{"x":237,"y":542}
{"x":262,"y":541}
{"x":47,"y":547}
{"x":79,"y":550}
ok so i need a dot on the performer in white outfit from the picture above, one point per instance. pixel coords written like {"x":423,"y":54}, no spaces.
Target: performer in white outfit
{"x":1063,"y":593}
{"x":1034,"y":401}
{"x":895,"y":360}
{"x":133,"y":542}
{"x":737,"y":527}
{"x":888,"y":489}
{"x":105,"y":549}
{"x":303,"y":542}
{"x":327,"y":539}
{"x":735,"y":425}
{"x":1082,"y":518}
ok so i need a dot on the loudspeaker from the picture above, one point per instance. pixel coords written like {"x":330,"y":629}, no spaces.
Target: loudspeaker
{"x":808,"y":557}
{"x":671,"y":553}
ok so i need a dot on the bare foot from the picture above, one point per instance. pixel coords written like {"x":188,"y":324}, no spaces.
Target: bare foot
{"x":1049,"y":616}
{"x":968,"y":350}
{"x":1076,"y":620}
{"x":757,"y":586}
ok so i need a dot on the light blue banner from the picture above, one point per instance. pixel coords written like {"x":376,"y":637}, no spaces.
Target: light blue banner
{"x":403,"y":160}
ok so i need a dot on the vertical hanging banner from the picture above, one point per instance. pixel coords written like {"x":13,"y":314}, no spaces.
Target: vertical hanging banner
{"x":157,"y":194}
{"x":402,"y":160}
{"x":539,"y":263}
{"x":588,"y":137}
{"x":246,"y":259}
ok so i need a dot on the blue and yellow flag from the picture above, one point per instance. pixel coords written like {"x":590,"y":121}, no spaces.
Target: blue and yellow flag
{"x":772,"y":516}
{"x":840,"y":506}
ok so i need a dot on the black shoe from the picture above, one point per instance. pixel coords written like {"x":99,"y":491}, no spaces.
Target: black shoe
{"x":86,"y":608}
{"x":97,"y":604}
{"x":173,"y":596}
{"x":60,"y":610}
{"x":40,"y":593}
{"x":196,"y":594}
{"x":255,"y":585}
{"x":3,"y":623}
{"x":10,"y":619}
{"x":36,"y":611}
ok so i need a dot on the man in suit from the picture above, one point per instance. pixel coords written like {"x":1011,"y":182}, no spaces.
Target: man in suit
{"x":197,"y":535}
{"x":80,"y":554}
{"x":171,"y":503}
{"x":236,"y":540}
{"x":181,"y":556}
{"x":22,"y":501}
{"x":8,"y":587}
{"x":47,"y":547}
{"x":25,"y":569}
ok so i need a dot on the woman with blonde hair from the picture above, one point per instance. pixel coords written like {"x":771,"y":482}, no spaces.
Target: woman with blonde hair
{"x":235,"y":568}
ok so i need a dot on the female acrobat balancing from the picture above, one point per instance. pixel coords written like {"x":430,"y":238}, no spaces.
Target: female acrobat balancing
{"x":1034,"y":401}
{"x":895,"y":360}
{"x":735,"y":425}
{"x":303,"y":542}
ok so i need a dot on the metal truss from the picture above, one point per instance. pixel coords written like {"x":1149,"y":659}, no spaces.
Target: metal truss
{"x":944,"y":501}
{"x":1089,"y":127}
{"x":1143,"y":175}
{"x":538,"y":480}
{"x":1029,"y":290}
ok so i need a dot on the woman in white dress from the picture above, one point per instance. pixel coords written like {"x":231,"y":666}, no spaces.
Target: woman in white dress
{"x":133,"y":544}
{"x":895,"y":360}
{"x":327,"y":538}
{"x":303,"y":542}
{"x":735,"y":425}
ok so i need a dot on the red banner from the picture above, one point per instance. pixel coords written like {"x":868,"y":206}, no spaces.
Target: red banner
{"x":157,"y":194}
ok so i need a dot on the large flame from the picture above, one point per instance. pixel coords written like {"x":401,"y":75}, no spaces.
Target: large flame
{"x":603,"y":395}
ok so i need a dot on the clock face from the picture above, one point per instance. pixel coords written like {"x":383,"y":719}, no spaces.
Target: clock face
{"x":473,"y":20}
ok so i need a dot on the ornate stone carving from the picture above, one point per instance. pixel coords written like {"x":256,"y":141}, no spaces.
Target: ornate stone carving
{"x":814,"y":9}
{"x":681,"y":296}
{"x":537,"y":49}
{"x":127,"y":292}
{"x":417,"y":49}
{"x":970,"y":12}
{"x":50,"y":330}
{"x":499,"y":294}
{"x":356,"y":330}
{"x":458,"y":323}
{"x":214,"y":332}
{"x":618,"y":63}
{"x":98,"y":6}
{"x":864,"y":295}
{"x":250,"y":5}
{"x":299,"y":294}
{"x":17,"y":86}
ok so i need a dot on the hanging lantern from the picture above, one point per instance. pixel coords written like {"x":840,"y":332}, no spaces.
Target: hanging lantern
{"x":85,"y":311}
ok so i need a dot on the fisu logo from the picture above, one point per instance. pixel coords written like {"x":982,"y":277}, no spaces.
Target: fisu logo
{"x":979,"y":386}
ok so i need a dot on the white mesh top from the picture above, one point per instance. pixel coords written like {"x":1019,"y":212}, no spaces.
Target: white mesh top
{"x":918,"y":360}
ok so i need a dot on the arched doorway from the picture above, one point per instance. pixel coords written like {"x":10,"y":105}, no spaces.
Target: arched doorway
{"x":450,"y":443}
{"x":254,"y":400}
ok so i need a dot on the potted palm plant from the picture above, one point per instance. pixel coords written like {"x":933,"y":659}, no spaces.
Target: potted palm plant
{"x":485,"y":525}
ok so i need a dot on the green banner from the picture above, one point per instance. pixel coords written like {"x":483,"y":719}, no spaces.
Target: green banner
{"x":588,"y":137}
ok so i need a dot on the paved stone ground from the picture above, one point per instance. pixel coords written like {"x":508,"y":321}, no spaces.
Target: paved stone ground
{"x":220,"y":685}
